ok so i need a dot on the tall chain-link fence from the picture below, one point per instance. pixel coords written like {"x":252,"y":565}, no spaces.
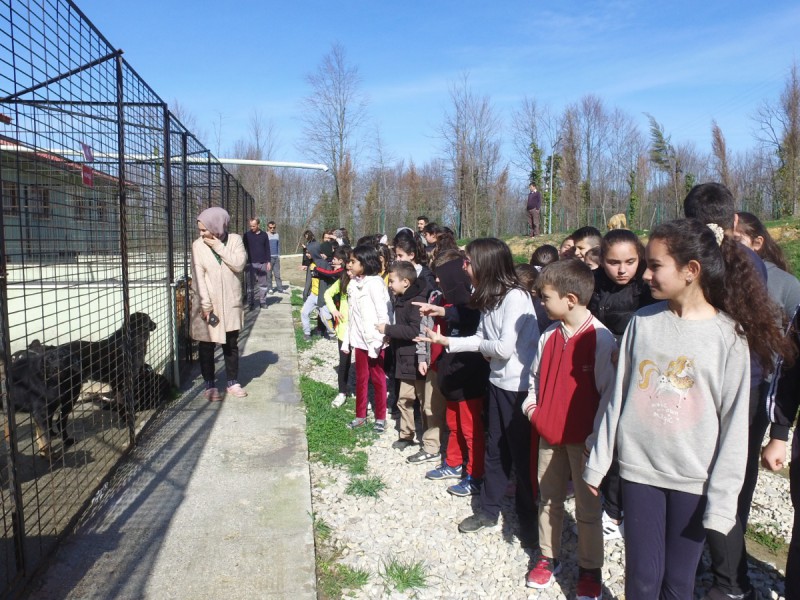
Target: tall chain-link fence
{"x":101,"y":186}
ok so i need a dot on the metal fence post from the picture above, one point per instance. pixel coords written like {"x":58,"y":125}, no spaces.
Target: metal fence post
{"x":17,"y":510}
{"x":123,"y":237}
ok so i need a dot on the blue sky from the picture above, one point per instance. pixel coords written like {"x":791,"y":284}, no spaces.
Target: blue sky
{"x":683,"y":62}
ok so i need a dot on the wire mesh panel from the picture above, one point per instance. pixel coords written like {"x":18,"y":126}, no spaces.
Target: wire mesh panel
{"x":101,"y":187}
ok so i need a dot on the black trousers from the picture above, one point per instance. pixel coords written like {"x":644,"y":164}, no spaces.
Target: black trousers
{"x":343,"y":370}
{"x":793,"y":560}
{"x":508,"y":442}
{"x":728,"y":552}
{"x":230,"y":350}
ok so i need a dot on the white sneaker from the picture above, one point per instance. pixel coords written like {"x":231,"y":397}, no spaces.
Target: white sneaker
{"x":612,"y":530}
{"x":339,"y":400}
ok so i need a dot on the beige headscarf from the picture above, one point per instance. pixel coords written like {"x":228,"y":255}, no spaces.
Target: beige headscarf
{"x":216,"y":220}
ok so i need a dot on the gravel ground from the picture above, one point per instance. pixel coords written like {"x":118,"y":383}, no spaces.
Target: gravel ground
{"x":415,"y":519}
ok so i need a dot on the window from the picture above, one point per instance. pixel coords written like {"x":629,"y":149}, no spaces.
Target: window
{"x":10,"y":197}
{"x":38,"y":201}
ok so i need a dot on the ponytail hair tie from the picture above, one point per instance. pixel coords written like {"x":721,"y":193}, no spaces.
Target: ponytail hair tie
{"x":719,"y":233}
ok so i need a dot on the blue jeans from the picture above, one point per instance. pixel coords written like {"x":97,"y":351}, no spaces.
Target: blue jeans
{"x":305,"y":315}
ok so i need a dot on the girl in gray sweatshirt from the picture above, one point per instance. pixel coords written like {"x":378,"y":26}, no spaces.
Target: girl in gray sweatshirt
{"x":679,"y":414}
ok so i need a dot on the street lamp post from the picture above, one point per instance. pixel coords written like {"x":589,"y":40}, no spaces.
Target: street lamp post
{"x":550,"y":207}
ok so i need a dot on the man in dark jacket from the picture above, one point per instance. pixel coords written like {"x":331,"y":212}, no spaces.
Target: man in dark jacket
{"x":256,"y":242}
{"x":534,"y":206}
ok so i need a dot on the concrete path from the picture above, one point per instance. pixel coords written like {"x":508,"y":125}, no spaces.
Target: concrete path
{"x":215,"y":500}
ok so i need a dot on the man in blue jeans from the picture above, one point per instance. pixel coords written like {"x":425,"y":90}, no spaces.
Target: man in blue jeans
{"x":257,"y":245}
{"x":275,"y":253}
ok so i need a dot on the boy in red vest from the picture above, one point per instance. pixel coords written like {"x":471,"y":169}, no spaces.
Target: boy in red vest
{"x":573,"y":375}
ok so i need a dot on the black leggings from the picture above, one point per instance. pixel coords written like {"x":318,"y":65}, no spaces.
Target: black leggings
{"x":230,"y":350}
{"x":344,"y":368}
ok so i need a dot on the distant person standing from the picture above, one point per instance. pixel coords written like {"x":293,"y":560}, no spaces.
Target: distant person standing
{"x":275,"y":258}
{"x":422,"y":221}
{"x":256,"y":242}
{"x":533,"y":207}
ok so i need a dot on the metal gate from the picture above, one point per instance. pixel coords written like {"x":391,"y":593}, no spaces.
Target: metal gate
{"x":101,"y":186}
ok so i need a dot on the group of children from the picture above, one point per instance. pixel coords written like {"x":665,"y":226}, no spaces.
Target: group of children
{"x":634,"y":373}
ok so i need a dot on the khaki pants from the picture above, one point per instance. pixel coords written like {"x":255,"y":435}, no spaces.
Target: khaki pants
{"x":434,"y":420}
{"x":555,"y":465}
{"x":410,"y":389}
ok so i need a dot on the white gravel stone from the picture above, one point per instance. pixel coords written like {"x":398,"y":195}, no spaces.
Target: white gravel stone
{"x":416,"y":520}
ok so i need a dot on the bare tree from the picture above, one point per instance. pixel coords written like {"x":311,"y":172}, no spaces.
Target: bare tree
{"x":570,"y":170}
{"x":779,"y":128}
{"x":333,"y":113}
{"x":470,"y":133}
{"x":526,"y":138}
{"x":187,"y":118}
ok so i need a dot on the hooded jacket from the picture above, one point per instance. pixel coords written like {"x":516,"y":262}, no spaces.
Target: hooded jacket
{"x":461,"y":375}
{"x":406,"y":327}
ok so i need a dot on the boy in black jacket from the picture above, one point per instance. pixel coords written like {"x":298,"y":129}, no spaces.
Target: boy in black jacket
{"x":783,"y":402}
{"x":410,"y":357}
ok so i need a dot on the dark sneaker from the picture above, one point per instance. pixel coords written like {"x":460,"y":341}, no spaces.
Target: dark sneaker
{"x":402,"y":444}
{"x":445,"y":472}
{"x":307,"y":337}
{"x":422,"y":456}
{"x":466,"y":487}
{"x":476,"y":522}
{"x":543,"y":573}
{"x":380,"y":426}
{"x":589,"y":584}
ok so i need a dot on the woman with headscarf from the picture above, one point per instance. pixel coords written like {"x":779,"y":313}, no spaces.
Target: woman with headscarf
{"x":218,"y":257}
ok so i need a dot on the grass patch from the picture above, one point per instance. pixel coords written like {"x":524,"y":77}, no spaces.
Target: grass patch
{"x":791,"y":249}
{"x":329,"y":439}
{"x":766,"y":538}
{"x":404,"y":576}
{"x":322,"y":530}
{"x":316,"y":360}
{"x":335,"y":578}
{"x":369,"y":487}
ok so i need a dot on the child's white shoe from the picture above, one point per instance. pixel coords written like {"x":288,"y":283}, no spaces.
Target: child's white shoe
{"x":339,"y":401}
{"x":611,"y":529}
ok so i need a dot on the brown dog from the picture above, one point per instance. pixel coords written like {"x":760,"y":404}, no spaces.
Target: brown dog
{"x":618,"y":221}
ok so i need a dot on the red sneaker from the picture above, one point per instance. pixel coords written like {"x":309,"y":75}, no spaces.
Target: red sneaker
{"x":543,"y":574}
{"x":589,"y":584}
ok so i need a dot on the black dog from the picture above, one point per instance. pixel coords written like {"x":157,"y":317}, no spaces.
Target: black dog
{"x":45,"y":381}
{"x":104,"y":361}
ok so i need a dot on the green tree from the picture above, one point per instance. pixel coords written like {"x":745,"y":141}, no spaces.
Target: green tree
{"x":633,"y":198}
{"x":536,"y":162}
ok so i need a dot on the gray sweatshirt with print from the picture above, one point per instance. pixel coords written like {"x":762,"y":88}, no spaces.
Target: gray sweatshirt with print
{"x":678,"y":415}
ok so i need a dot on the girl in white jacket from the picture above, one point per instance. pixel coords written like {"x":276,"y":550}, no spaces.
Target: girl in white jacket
{"x":369,"y":305}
